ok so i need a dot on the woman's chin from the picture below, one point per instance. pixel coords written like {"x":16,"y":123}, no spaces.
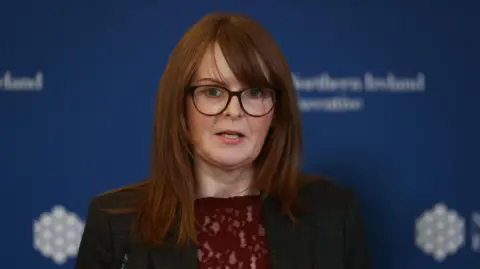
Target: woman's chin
{"x":231,"y":161}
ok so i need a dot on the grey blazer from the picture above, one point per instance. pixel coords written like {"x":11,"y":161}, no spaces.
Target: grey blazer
{"x":329,"y":236}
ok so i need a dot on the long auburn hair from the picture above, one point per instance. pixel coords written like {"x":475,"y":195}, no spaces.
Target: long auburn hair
{"x":249,"y":49}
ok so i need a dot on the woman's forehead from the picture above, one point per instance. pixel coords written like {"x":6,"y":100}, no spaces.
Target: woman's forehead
{"x":214,"y":65}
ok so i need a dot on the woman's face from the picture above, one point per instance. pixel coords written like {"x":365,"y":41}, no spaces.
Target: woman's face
{"x":233,"y":138}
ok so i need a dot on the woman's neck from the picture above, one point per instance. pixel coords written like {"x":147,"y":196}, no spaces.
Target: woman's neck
{"x":217,"y":182}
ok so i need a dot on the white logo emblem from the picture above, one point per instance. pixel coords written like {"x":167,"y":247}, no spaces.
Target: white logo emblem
{"x":440,"y":232}
{"x":57,"y":234}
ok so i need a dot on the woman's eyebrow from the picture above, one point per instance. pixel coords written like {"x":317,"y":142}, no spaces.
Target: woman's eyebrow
{"x":211,"y":80}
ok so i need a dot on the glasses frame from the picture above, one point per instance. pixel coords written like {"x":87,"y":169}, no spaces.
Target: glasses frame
{"x":231,"y":94}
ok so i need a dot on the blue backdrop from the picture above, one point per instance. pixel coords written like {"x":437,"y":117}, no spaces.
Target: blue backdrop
{"x":389,"y":93}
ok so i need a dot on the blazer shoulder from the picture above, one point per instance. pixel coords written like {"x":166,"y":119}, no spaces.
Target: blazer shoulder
{"x":106,"y":234}
{"x":319,"y":192}
{"x":118,"y":207}
{"x":118,"y":198}
{"x":336,"y":213}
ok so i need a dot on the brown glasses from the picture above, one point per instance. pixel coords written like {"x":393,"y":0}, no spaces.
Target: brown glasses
{"x":212,"y":100}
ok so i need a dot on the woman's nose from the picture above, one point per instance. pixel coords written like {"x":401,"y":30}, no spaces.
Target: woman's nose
{"x":234,"y":109}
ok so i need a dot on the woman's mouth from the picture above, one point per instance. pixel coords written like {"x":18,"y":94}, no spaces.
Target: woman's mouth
{"x":230,"y":137}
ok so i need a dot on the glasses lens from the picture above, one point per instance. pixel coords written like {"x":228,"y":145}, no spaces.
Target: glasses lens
{"x":258,"y":101}
{"x":210,"y":100}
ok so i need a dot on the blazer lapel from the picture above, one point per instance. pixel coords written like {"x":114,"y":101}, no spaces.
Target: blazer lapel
{"x":137,"y":258}
{"x":290,"y":246}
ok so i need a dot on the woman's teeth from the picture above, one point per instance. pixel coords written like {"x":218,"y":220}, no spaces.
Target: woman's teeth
{"x":231,"y":135}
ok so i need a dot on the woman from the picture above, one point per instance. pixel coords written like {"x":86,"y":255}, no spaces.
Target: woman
{"x":225,"y":190}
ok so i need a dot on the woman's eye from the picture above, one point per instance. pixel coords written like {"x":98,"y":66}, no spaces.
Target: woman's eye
{"x":255,"y":92}
{"x":213,"y":92}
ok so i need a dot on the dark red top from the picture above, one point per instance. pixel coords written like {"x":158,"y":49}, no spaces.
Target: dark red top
{"x":231,"y":234}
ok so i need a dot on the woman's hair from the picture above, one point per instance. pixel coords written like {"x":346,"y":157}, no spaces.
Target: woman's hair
{"x":254,"y":58}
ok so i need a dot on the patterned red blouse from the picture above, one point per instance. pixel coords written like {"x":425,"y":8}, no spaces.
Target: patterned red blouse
{"x":231,"y":234}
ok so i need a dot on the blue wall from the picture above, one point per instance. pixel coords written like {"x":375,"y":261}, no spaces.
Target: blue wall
{"x":87,"y":127}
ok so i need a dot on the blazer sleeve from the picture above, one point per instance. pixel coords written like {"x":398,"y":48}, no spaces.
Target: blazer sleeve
{"x":95,"y":251}
{"x":357,"y":253}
